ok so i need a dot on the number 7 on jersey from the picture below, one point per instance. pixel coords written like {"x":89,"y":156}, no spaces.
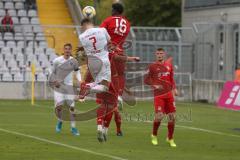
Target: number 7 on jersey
{"x":94,"y":41}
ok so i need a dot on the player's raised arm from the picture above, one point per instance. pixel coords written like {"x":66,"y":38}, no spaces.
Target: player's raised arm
{"x":125,"y":58}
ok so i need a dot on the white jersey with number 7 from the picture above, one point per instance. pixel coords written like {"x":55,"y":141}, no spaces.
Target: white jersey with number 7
{"x":94,"y":42}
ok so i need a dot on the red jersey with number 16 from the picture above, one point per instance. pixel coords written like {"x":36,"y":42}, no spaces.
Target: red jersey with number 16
{"x":118,"y":28}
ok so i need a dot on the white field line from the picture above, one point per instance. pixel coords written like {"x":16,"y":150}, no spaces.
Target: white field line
{"x":202,"y":130}
{"x":209,"y":131}
{"x":62,"y":144}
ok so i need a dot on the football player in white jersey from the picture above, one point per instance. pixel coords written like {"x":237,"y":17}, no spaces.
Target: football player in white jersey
{"x":94,"y":42}
{"x":65,"y":95}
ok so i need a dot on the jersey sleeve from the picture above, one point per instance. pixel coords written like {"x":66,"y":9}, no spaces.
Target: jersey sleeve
{"x":106,"y":34}
{"x":78,"y":75}
{"x":54,"y":65}
{"x":80,"y":40}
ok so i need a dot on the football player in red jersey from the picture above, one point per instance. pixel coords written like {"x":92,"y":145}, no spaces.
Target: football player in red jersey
{"x":108,"y":100}
{"x":161,"y":77}
{"x":118,"y":28}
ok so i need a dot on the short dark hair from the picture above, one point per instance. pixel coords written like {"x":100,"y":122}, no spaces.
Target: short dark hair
{"x":160,"y":49}
{"x":118,"y":7}
{"x":68,"y":44}
{"x":86,"y":20}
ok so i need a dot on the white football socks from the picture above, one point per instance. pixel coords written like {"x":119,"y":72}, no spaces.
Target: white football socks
{"x":98,"y":88}
{"x":73,"y":124}
{"x":100,"y":128}
{"x":105,"y":130}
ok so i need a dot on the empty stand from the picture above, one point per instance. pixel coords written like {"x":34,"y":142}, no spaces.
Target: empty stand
{"x":26,"y":45}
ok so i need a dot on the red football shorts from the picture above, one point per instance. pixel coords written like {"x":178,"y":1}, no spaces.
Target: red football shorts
{"x":164,"y":105}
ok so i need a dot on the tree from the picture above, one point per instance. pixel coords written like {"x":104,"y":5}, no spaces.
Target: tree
{"x":153,"y":12}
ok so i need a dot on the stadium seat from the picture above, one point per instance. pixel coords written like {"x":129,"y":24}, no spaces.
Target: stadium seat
{"x":18,"y":28}
{"x":18,"y":36}
{"x":24,"y":20}
{"x":7,"y":76}
{"x":11,"y":44}
{"x":29,"y":50}
{"x":9,"y":5}
{"x":14,"y":70}
{"x":43,"y":44}
{"x":3,"y":67}
{"x":8,"y":36}
{"x":39,"y":51}
{"x":17,"y":50}
{"x":1,"y":5}
{"x":29,"y":36}
{"x":40,"y":37}
{"x":2,"y":44}
{"x":12,"y":63}
{"x":37,"y":29}
{"x":45,"y":64}
{"x":27,"y":28}
{"x":20,"y":63}
{"x":6,"y":50}
{"x":52,"y":57}
{"x":19,"y":57}
{"x":7,"y":0}
{"x":8,"y":57}
{"x":22,"y":13}
{"x":32,"y":13}
{"x":19,"y":5}
{"x":28,"y":74}
{"x":18,"y":0}
{"x":1,"y":60}
{"x":12,"y":12}
{"x":18,"y":77}
{"x":31,"y":57}
{"x":32,"y":44}
{"x":50,"y":51}
{"x":34,"y":20}
{"x":15,"y":21}
{"x":42,"y":57}
{"x":20,"y":44}
{"x":41,"y":77}
{"x":2,"y":12}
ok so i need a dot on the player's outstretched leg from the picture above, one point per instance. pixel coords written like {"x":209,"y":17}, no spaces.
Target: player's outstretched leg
{"x":86,"y":89}
{"x":171,"y":125}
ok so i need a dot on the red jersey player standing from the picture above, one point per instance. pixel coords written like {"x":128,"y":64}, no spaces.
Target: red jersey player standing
{"x":164,"y":103}
{"x":118,"y":28}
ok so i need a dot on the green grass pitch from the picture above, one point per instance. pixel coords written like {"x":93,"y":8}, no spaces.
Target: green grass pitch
{"x":203,"y":132}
